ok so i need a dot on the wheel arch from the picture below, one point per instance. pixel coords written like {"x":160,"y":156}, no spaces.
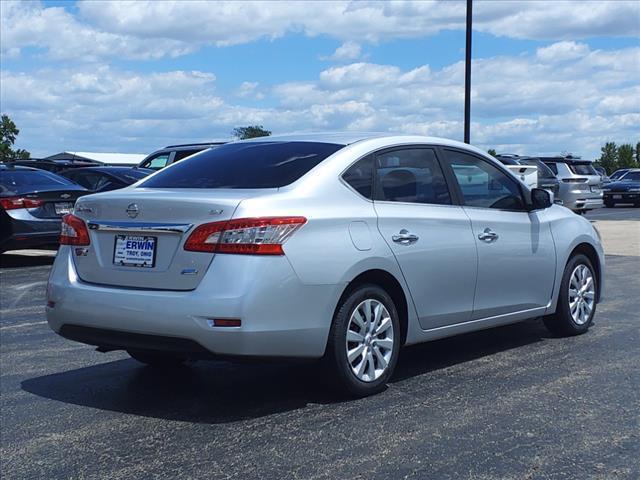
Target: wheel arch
{"x":391,"y":285}
{"x":591,"y":253}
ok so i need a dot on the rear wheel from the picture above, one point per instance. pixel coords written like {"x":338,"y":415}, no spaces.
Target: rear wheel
{"x":577,"y":299}
{"x":156,"y":359}
{"x":364,"y":341}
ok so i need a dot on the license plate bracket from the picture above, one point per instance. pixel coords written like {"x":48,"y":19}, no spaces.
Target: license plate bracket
{"x":62,"y":208}
{"x":135,"y":251}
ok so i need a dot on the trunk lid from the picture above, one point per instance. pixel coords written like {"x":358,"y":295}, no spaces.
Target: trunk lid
{"x":56,"y":202}
{"x":155,"y":223}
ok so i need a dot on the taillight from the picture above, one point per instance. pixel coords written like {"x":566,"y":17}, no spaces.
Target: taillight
{"x":253,"y":236}
{"x":12,"y":203}
{"x":74,"y":231}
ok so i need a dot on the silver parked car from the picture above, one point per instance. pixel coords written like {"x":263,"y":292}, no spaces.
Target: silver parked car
{"x":580,"y":183}
{"x":341,"y":247}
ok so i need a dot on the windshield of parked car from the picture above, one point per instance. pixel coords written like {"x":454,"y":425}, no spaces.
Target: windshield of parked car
{"x":19,"y":181}
{"x":618,"y":174}
{"x":244,"y":165}
{"x":631,"y":177}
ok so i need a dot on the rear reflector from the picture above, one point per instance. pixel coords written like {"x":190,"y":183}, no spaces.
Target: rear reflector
{"x":227,"y":322}
{"x":74,"y":231}
{"x":12,"y":203}
{"x":252,"y":236}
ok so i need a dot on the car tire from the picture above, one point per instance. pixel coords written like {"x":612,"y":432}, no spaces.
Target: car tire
{"x":374,"y":355}
{"x":576,"y":300}
{"x":157,"y":359}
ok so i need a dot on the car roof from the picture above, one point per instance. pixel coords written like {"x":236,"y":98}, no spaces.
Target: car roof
{"x":348,"y":138}
{"x":4,"y":166}
{"x":204,"y":144}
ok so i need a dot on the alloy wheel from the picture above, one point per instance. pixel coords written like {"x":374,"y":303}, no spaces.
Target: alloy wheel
{"x":582,"y":294}
{"x":369,"y":340}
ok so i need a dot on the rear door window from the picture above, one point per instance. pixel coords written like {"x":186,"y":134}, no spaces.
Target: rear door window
{"x":410,"y":175}
{"x":244,"y":165}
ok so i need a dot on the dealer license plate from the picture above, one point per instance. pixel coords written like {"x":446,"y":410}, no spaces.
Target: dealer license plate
{"x":135,"y":251}
{"x":62,"y":208}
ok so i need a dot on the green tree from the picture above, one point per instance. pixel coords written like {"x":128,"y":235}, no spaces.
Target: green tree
{"x":492,"y":152}
{"x":609,"y":158}
{"x":252,"y":131}
{"x":638,"y":154}
{"x":625,"y":156}
{"x":8,"y":134}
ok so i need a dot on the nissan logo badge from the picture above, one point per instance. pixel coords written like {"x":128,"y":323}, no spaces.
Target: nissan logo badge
{"x":132,"y":210}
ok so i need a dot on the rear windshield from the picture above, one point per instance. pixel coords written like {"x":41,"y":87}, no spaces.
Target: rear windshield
{"x":244,"y":165}
{"x":131,"y":174}
{"x":582,"y":168}
{"x":28,"y":180}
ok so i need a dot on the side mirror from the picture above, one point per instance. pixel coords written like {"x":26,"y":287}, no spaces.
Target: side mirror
{"x":540,"y":199}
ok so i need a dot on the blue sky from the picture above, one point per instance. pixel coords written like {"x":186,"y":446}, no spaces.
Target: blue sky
{"x":118,"y":76}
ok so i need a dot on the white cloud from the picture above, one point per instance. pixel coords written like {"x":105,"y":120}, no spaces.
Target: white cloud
{"x":249,"y":90}
{"x":523,"y":104}
{"x":143,"y":30}
{"x":348,"y":51}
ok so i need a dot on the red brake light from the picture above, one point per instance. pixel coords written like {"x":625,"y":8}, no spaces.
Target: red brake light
{"x":253,"y":236}
{"x":74,"y":231}
{"x":12,"y":203}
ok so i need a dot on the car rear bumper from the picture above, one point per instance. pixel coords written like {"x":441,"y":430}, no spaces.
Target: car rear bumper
{"x":582,"y":200}
{"x":622,"y":197}
{"x":281,"y":316}
{"x":29,"y":240}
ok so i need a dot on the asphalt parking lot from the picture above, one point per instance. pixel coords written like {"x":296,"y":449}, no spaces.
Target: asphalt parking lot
{"x":512,"y":402}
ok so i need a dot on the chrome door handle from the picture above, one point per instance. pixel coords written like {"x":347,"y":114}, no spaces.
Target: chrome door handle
{"x":405,"y":238}
{"x":488,"y":235}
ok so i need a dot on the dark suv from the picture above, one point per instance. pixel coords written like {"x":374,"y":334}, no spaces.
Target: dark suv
{"x":174,"y":153}
{"x":546,"y":178}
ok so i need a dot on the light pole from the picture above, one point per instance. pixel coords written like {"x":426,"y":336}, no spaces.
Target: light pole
{"x":467,"y":74}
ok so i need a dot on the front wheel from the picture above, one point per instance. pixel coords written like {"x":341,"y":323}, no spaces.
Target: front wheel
{"x":577,"y":299}
{"x":364,"y":341}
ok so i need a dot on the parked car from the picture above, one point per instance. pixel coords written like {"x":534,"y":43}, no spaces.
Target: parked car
{"x":343,"y":247}
{"x":174,"y":153}
{"x":580,"y":183}
{"x":546,"y":178}
{"x":104,"y":179}
{"x":32,"y":203}
{"x":625,"y":189}
{"x":55,"y":166}
{"x":603,"y":175}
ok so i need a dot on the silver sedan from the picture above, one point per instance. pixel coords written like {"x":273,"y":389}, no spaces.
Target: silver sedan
{"x":340,"y":247}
